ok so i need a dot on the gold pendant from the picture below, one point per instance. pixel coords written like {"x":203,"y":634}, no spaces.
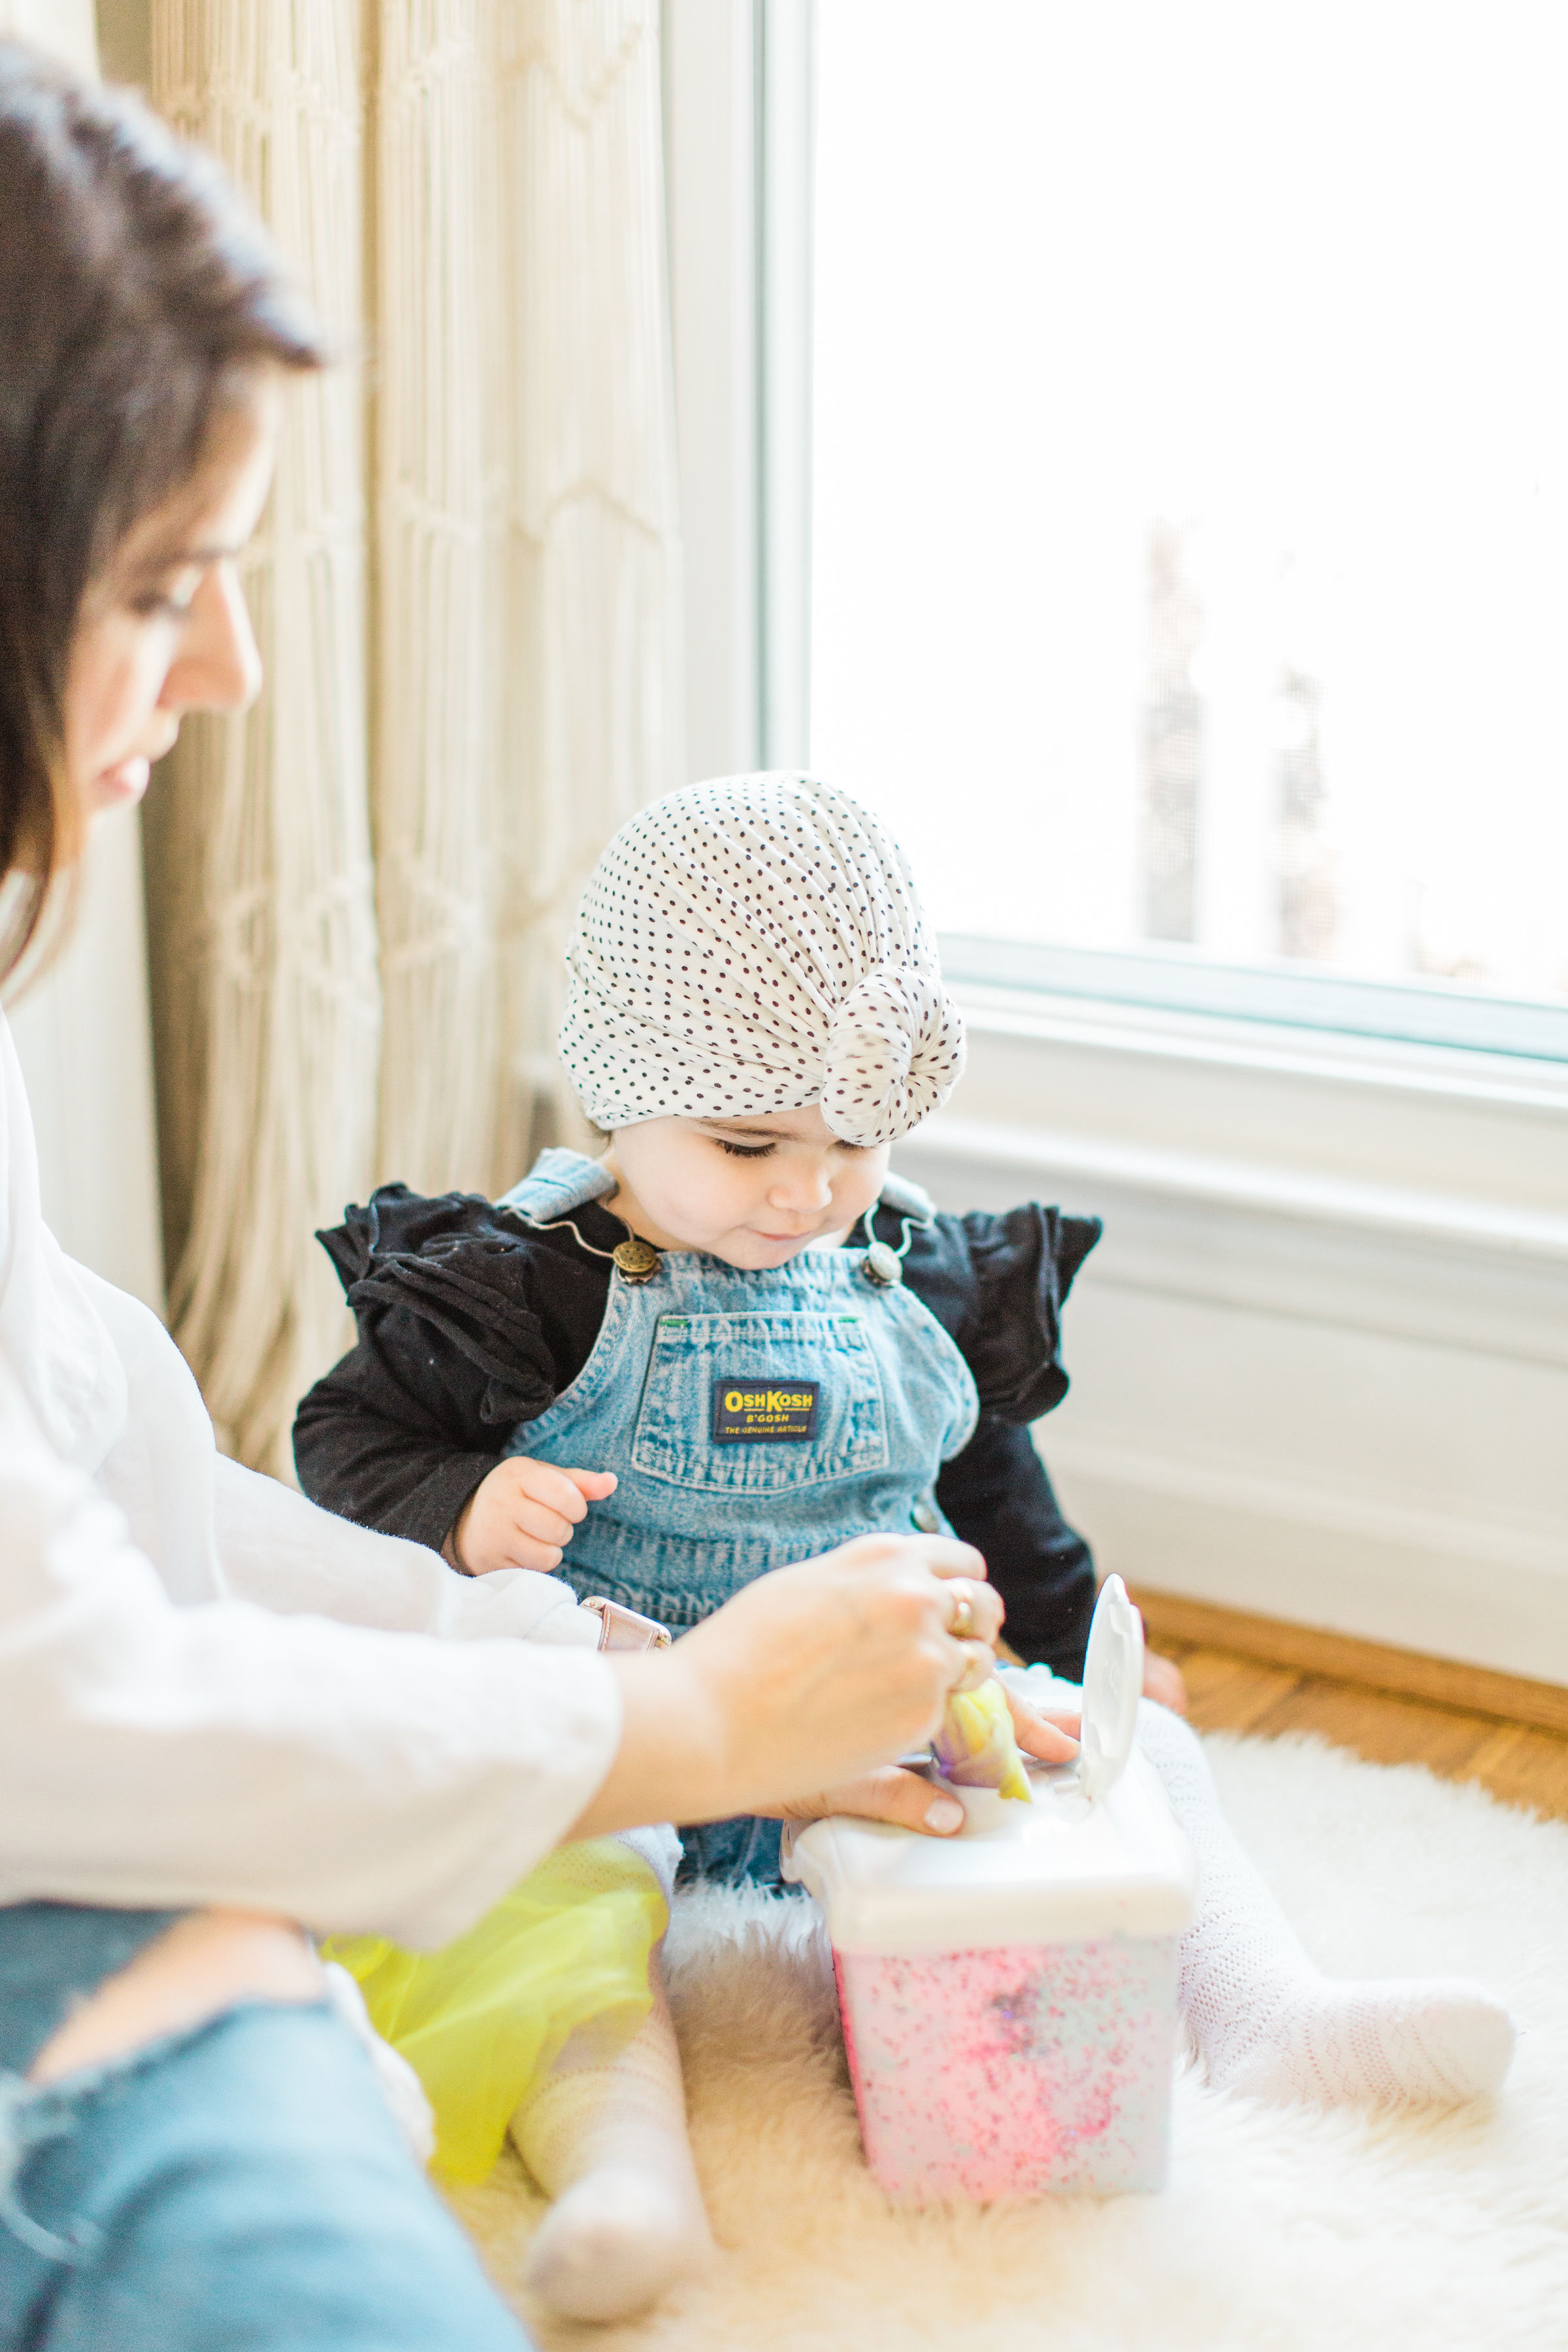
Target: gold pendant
{"x":637,"y":1260}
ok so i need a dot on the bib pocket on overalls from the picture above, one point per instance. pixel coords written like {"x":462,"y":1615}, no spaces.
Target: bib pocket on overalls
{"x":756,"y":1403}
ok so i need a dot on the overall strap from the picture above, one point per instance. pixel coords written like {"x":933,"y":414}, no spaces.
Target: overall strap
{"x":899,"y":1195}
{"x":558,"y":1182}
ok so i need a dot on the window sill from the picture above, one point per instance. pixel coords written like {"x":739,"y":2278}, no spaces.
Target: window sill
{"x":1441,"y":1145}
{"x":1319,"y":1360}
{"x":1304,"y":1195}
{"x":1451,"y":1073}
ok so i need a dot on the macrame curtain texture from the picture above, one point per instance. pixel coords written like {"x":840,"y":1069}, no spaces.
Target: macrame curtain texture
{"x":467,"y":596}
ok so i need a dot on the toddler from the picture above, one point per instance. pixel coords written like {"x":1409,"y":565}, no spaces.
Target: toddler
{"x":735,"y":1340}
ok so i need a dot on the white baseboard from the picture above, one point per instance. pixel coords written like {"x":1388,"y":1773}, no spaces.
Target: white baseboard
{"x":1481,"y":1591}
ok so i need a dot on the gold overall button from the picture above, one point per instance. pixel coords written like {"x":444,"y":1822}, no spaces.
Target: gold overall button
{"x":637,"y":1260}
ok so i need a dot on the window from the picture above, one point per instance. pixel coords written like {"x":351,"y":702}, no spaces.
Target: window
{"x":1190,"y":489}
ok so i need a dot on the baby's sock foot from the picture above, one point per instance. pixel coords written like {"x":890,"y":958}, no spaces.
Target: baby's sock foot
{"x":614,"y":2241}
{"x":608,"y":2143}
{"x":1370,"y":2044}
{"x":1265,"y":2022}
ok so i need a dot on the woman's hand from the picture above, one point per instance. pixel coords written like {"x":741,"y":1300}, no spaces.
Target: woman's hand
{"x":893,"y":1794}
{"x":808,"y":1680}
{"x":523,"y":1515}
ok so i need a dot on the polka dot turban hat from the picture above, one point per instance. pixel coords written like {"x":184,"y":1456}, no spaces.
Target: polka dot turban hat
{"x":753,"y":945}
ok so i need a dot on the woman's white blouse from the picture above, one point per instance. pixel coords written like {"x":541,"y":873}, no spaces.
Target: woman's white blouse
{"x":213,"y":1692}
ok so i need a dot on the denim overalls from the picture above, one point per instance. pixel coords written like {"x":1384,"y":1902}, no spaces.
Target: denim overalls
{"x":751,"y":1418}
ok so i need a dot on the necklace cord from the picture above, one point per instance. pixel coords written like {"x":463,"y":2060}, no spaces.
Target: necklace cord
{"x":555,"y":1224}
{"x":921,"y":1225}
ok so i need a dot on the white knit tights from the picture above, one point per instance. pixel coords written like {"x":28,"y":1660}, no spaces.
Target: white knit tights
{"x":608,"y":2143}
{"x":1264,"y":2022}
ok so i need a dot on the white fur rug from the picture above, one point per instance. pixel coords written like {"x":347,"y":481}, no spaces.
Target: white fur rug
{"x":1282,"y":2230}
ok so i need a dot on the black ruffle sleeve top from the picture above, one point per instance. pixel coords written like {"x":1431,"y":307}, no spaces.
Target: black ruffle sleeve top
{"x":471,"y":1323}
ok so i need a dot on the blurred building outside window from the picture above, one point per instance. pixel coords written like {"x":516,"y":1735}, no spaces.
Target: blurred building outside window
{"x":1189,"y":474}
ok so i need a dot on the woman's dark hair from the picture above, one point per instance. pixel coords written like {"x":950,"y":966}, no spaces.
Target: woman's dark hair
{"x":138,"y":295}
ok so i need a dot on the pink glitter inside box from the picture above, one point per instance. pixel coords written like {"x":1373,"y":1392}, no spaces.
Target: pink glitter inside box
{"x":1009,"y":1995}
{"x":1014,"y":2071}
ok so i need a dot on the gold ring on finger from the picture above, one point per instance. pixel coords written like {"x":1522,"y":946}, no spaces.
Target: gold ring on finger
{"x":961,"y":1624}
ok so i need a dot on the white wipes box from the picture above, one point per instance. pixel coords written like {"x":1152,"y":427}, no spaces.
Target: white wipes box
{"x":1009,"y":1995}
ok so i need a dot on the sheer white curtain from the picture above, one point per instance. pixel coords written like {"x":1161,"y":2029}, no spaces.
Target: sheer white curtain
{"x":527,"y":559}
{"x":263,"y":933}
{"x":466,"y":592}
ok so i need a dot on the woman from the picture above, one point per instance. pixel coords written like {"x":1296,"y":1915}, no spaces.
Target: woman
{"x":193,"y":2148}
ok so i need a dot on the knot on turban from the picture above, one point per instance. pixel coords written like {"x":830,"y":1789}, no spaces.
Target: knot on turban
{"x":894,"y":1049}
{"x":754,"y":945}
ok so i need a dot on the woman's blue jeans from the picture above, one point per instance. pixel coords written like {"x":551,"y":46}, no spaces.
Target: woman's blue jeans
{"x":234,"y":2186}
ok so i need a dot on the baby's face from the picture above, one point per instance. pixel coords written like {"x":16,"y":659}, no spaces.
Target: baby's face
{"x":754,"y":1191}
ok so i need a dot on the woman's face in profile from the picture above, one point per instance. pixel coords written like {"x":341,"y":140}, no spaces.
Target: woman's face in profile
{"x":165,"y":630}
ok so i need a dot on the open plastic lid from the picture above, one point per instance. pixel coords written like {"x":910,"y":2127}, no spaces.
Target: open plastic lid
{"x":1112,"y":1685}
{"x":1096,"y":1851}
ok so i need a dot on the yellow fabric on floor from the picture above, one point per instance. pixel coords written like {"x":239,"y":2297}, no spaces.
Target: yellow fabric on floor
{"x":486,"y":2016}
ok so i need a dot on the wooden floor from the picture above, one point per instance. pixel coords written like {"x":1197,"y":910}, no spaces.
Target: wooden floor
{"x":1520,"y":1764}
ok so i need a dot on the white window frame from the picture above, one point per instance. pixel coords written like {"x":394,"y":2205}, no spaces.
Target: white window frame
{"x":1278,"y":992}
{"x":739,"y":131}
{"x":738,"y":134}
{"x":1316,"y":1188}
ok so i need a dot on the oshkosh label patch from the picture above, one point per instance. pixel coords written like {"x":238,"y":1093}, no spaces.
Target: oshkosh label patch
{"x":747,"y":1413}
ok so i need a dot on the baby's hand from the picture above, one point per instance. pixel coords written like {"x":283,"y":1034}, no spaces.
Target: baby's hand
{"x":523,"y":1515}
{"x":1050,"y":1738}
{"x":1162,"y":1681}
